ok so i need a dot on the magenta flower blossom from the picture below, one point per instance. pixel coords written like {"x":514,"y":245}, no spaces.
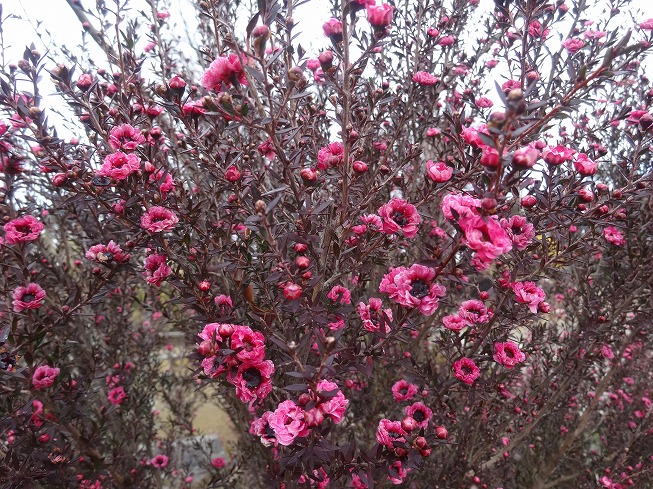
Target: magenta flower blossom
{"x":420,"y":413}
{"x":508,"y":354}
{"x":266,"y":148}
{"x":218,"y":462}
{"x":466,"y":370}
{"x":106,"y":254}
{"x":125,"y":137}
{"x":484,"y":103}
{"x":249,"y":345}
{"x":403,"y":390}
{"x":439,"y":172}
{"x":424,"y":78}
{"x":156,"y":269}
{"x":525,"y":157}
{"x":519,"y":230}
{"x":573,"y":44}
{"x":413,"y":287}
{"x":166,"y":182}
{"x":333,"y":28}
{"x":389,"y":432}
{"x":159,"y":461}
{"x":456,"y":206}
{"x":474,"y":311}
{"x":340,"y":294}
{"x":584,"y":165}
{"x":158,"y":219}
{"x":44,"y":376}
{"x":117,"y":395}
{"x":399,"y":215}
{"x":29,"y":297}
{"x":454,"y":322}
{"x":557,"y":155}
{"x":331,"y":155}
{"x":225,"y":69}
{"x":379,"y":15}
{"x":333,"y":405}
{"x":252,"y":380}
{"x":614,"y":236}
{"x":370,"y":314}
{"x":287,"y":422}
{"x":119,"y":165}
{"x":260,"y":427}
{"x":471,"y":135}
{"x":647,"y":25}
{"x":23,"y":229}
{"x":528,"y":293}
{"x":486,"y":237}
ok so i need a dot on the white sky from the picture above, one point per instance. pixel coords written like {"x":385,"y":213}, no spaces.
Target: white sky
{"x":57,"y":24}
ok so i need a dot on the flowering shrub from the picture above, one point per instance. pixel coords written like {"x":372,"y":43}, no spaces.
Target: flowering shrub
{"x":421,"y":255}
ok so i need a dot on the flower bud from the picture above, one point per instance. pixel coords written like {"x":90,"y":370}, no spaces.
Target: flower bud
{"x":441,"y":432}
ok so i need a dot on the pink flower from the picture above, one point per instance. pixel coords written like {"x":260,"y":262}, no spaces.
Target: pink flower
{"x":159,"y":461}
{"x":266,"y":148}
{"x":333,"y":28}
{"x":44,"y":376}
{"x":484,"y":103}
{"x":260,"y":427}
{"x":218,"y":462}
{"x":156,"y":269}
{"x":471,"y":135}
{"x":447,"y":41}
{"x":510,"y":85}
{"x":607,"y":352}
{"x":573,"y":45}
{"x":535,"y":30}
{"x":525,"y":157}
{"x":117,"y":395}
{"x":331,"y":155}
{"x":403,"y":390}
{"x":454,"y":322}
{"x":292,"y":291}
{"x":584,"y":165}
{"x":225,"y":69}
{"x":557,"y":155}
{"x":647,"y":25}
{"x":119,"y":165}
{"x":594,"y":34}
{"x":106,"y":254}
{"x":473,"y":311}
{"x":193,"y":108}
{"x":492,"y":63}
{"x":528,"y":293}
{"x":438,"y":172}
{"x":158,"y":219}
{"x":508,"y":354}
{"x":340,"y":294}
{"x":249,"y":345}
{"x":400,"y":471}
{"x":379,"y":15}
{"x":466,"y":370}
{"x":167,"y":183}
{"x":432,"y":132}
{"x":29,"y":297}
{"x":613,"y":235}
{"x":489,"y":157}
{"x":287,"y":422}
{"x":420,"y":413}
{"x":125,"y":137}
{"x":413,"y":287}
{"x":23,"y":229}
{"x":252,"y":380}
{"x":424,"y":78}
{"x":389,"y":432}
{"x":85,"y":81}
{"x":399,"y":215}
{"x":371,"y":315}
{"x":332,"y":401}
{"x":486,"y":237}
{"x":519,"y":230}
{"x":457,"y":206}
